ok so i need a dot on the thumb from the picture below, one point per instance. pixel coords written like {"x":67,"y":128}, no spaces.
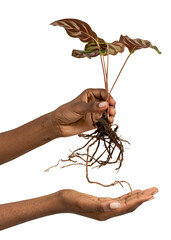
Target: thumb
{"x":83,"y":108}
{"x":110,"y":205}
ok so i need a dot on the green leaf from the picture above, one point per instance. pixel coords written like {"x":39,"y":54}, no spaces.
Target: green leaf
{"x":157,"y":50}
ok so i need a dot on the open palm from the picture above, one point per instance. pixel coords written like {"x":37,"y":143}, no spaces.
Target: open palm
{"x":104,"y":208}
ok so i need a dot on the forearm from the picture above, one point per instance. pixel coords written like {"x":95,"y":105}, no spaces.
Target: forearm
{"x":12,"y":214}
{"x":23,"y":139}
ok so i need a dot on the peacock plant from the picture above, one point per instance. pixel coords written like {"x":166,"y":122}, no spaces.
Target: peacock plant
{"x":104,"y":134}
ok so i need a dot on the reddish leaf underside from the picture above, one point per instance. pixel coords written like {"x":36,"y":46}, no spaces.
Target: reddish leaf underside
{"x":135,"y":44}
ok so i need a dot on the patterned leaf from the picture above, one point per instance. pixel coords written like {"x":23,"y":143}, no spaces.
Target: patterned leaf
{"x":77,"y":29}
{"x":82,"y":54}
{"x":92,"y":50}
{"x":92,"y":46}
{"x":135,"y":44}
{"x":115,"y":47}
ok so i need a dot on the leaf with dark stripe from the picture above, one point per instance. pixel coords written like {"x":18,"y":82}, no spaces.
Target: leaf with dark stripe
{"x":91,"y":46}
{"x":91,"y":49}
{"x":77,"y":29}
{"x":115,"y":47}
{"x":135,"y":44}
{"x":83,"y":54}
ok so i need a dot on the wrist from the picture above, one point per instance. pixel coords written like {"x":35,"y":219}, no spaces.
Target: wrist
{"x":53,"y":126}
{"x":58,"y":202}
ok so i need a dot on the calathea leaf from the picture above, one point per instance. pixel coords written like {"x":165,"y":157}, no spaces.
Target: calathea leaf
{"x":91,"y":49}
{"x":135,"y":44}
{"x":77,"y":29}
{"x":115,"y":47}
{"x":92,"y":46}
{"x":82,"y":54}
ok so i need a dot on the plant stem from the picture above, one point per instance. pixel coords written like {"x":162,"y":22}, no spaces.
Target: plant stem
{"x":103,"y":67}
{"x":103,"y":64}
{"x":108,"y":94}
{"x":106,"y":82}
{"x":107,"y":66}
{"x":120,"y":72}
{"x":100,"y":59}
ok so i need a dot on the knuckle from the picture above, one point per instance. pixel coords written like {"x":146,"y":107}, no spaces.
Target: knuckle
{"x":87,"y":92}
{"x":88,"y":89}
{"x":100,"y":208}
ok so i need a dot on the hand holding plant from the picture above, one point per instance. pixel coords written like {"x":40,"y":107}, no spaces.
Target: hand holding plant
{"x":76,"y":116}
{"x":104,"y":134}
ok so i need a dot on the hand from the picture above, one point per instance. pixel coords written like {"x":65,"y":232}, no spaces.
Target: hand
{"x":75,"y":117}
{"x":103,"y":208}
{"x":70,"y":201}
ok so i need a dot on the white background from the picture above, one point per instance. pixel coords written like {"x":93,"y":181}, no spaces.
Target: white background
{"x":38,"y":74}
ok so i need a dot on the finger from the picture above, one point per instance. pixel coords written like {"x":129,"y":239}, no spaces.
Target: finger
{"x":112,"y":111}
{"x":105,"y":206}
{"x":147,"y":192}
{"x":139,"y":196}
{"x":112,"y":102}
{"x":134,"y":201}
{"x":128,"y":194}
{"x":83,"y":108}
{"x":99,"y":93}
{"x":152,"y":190}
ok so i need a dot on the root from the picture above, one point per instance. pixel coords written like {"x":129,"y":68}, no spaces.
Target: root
{"x":103,"y":135}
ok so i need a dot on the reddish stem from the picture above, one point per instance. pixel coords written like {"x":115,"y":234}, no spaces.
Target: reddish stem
{"x":106,"y":81}
{"x":103,"y":67}
{"x":120,"y":73}
{"x":108,"y":94}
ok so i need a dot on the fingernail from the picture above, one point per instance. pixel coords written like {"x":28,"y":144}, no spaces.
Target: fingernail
{"x":102,"y":104}
{"x":114,"y":205}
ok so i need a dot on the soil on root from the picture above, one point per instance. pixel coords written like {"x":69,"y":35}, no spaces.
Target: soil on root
{"x":104,"y":134}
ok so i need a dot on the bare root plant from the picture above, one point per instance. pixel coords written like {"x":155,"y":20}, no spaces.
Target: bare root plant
{"x":104,"y":134}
